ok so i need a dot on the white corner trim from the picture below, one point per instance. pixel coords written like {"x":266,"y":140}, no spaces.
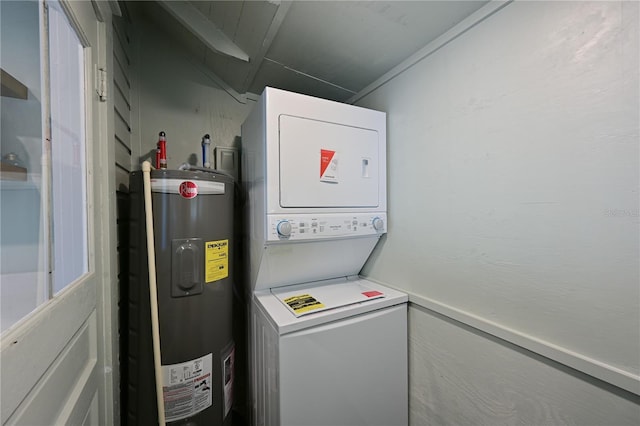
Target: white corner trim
{"x":455,"y":32}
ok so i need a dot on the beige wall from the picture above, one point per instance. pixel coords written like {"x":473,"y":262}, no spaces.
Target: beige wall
{"x":513,"y":162}
{"x":179,"y":96}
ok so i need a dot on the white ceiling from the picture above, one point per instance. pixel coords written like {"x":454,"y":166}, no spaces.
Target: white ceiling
{"x":329,"y":49}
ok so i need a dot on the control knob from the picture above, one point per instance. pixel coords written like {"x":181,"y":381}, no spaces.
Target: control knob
{"x":378,"y":224}
{"x":284,"y":229}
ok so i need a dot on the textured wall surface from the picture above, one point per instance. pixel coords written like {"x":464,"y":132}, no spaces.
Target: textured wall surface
{"x":462,"y":377}
{"x":513,"y":157}
{"x":180,"y":97}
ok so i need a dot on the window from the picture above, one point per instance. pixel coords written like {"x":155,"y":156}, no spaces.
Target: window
{"x":43,"y":187}
{"x":68,"y":151}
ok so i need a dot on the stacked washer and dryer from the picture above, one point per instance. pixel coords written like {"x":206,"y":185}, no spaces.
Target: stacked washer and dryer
{"x":327,"y":347}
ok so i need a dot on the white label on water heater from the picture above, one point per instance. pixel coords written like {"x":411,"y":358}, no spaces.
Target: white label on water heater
{"x":187,"y":388}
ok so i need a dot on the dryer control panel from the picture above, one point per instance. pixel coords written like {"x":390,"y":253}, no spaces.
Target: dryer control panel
{"x":326,"y":226}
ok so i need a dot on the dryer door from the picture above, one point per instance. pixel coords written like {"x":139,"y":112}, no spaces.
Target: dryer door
{"x":328,"y":164}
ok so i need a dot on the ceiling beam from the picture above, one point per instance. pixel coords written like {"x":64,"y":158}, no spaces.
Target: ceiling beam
{"x":276,"y":22}
{"x":205,"y":30}
{"x":115,"y":7}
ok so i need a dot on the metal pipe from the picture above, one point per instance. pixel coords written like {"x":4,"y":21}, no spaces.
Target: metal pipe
{"x":153,"y":290}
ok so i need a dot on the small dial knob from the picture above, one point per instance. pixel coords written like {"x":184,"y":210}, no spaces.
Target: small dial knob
{"x":378,"y":224}
{"x":283,"y":228}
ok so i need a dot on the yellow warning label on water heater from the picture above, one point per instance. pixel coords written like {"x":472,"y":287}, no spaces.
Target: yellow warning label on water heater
{"x":216,"y":260}
{"x":303,"y":303}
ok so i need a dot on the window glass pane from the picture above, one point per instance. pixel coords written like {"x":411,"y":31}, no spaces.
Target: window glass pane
{"x":68,"y":150}
{"x":23,"y":213}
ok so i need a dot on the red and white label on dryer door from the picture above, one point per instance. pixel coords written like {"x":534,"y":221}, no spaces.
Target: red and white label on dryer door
{"x":328,"y":165}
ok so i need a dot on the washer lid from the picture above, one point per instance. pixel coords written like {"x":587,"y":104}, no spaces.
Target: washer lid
{"x":285,"y":322}
{"x":308,"y":300}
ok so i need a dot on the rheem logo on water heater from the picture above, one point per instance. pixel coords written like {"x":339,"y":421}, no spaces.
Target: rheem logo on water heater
{"x":188,"y":189}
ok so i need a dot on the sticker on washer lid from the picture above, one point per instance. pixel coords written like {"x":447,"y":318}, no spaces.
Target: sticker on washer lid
{"x":216,"y":260}
{"x":372,"y":293}
{"x":186,"y":388}
{"x":303,"y":303}
{"x":328,"y":166}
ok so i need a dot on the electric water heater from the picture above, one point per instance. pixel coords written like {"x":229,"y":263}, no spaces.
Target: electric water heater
{"x":193,"y":238}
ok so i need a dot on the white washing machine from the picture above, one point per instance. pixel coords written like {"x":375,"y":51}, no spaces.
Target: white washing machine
{"x":327,"y":346}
